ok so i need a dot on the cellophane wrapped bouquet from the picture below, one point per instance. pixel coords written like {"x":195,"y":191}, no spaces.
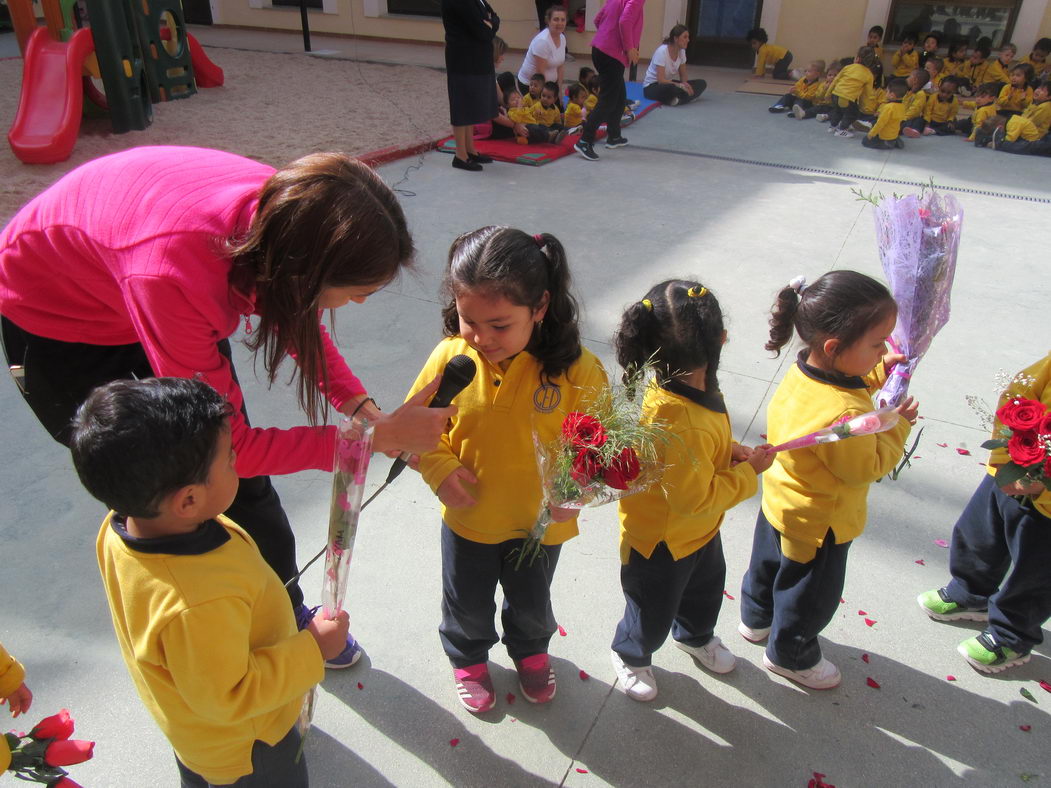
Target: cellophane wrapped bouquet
{"x":602,"y":454}
{"x":918,"y":238}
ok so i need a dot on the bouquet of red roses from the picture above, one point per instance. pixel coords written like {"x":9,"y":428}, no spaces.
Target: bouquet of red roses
{"x":601,"y":455}
{"x":1026,"y":434}
{"x":40,"y":755}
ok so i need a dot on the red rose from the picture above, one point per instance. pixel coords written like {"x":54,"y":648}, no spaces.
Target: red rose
{"x":1044,"y":428}
{"x":69,"y":752}
{"x":586,"y":466}
{"x":622,"y":469}
{"x":57,"y":726}
{"x":582,"y":431}
{"x":1047,"y":468}
{"x":1021,"y":414}
{"x":1025,"y":448}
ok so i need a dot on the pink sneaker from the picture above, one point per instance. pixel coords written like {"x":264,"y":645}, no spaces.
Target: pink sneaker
{"x":536,"y":678}
{"x":910,"y":132}
{"x":475,"y":688}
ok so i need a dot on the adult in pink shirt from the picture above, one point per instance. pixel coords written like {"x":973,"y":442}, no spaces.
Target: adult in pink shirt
{"x":144,"y":263}
{"x":616,"y":43}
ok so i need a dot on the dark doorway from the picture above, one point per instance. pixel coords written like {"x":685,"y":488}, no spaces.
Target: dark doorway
{"x":197,"y":12}
{"x":717,"y":31}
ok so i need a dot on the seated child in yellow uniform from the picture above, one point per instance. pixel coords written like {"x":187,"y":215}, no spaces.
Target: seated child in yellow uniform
{"x":984,"y":106}
{"x":545,"y":118}
{"x":768,"y":55}
{"x":804,"y":91}
{"x":869,"y":106}
{"x":204,"y":625}
{"x":1040,"y":110}
{"x":852,"y":87}
{"x":575,"y":112}
{"x":1038,"y":60}
{"x":594,"y":85}
{"x":906,"y":59}
{"x":955,"y":63}
{"x":536,"y":84}
{"x":1000,"y":68}
{"x":874,"y":39}
{"x":931,"y":43}
{"x":822,"y":105}
{"x":942,"y":110}
{"x":997,"y":130}
{"x":933,"y":67}
{"x":915,"y":104}
{"x":1027,"y":133}
{"x":1016,"y":96}
{"x":974,"y":70}
{"x":885,"y":132}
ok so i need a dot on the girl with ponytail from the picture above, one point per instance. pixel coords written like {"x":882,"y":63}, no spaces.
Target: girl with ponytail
{"x":672,"y":567}
{"x":814,"y":499}
{"x":509,"y":307}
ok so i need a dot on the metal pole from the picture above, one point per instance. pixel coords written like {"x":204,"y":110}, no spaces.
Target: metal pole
{"x":306,"y":25}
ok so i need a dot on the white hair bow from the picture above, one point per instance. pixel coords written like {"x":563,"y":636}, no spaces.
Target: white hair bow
{"x":798,"y":284}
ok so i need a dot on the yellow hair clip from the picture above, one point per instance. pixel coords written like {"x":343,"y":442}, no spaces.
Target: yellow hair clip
{"x":648,"y":304}
{"x":695,"y":292}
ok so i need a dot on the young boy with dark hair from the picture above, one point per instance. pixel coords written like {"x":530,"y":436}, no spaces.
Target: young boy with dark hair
{"x":853,"y":84}
{"x":768,"y":55}
{"x":203,"y":622}
{"x":915,"y":104}
{"x":997,"y":131}
{"x":984,"y":106}
{"x":1038,"y":60}
{"x":942,"y":110}
{"x":532,"y":95}
{"x":885,"y":132}
{"x":931,"y":42}
{"x":974,"y":69}
{"x":906,"y":59}
{"x":874,"y":40}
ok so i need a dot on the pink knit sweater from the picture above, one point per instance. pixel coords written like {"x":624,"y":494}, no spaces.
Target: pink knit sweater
{"x":128,"y":248}
{"x":619,"y":24}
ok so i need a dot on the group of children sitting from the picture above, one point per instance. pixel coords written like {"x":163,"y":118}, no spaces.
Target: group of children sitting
{"x":923,"y":96}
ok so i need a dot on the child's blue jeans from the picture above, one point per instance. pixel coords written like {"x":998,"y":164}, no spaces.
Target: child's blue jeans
{"x":999,"y":558}
{"x":271,"y":766}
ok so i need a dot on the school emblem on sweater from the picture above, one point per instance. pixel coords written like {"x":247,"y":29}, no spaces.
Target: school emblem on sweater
{"x":546,"y":397}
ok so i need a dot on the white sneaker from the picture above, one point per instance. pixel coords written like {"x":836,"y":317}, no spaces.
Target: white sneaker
{"x":713,"y":655}
{"x":844,"y":133}
{"x":636,"y":683}
{"x":798,"y":111}
{"x":824,"y":675}
{"x":753,"y":635}
{"x":821,"y":117}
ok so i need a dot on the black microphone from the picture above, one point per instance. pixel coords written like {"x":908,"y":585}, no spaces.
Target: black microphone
{"x":458,"y":372}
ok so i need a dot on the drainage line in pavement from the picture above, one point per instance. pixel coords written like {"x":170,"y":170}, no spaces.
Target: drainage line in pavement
{"x":839,"y":174}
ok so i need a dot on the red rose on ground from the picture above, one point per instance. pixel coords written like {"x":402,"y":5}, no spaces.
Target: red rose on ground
{"x":1025,"y":448}
{"x":57,"y":726}
{"x":583,"y":431}
{"x":1021,"y":414}
{"x":69,"y":752}
{"x":622,"y":469}
{"x":586,"y":466}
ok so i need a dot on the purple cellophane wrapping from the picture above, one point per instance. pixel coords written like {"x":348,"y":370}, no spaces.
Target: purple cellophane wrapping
{"x":918,"y":239}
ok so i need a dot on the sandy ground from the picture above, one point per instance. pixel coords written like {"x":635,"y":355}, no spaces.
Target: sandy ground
{"x":304,"y":104}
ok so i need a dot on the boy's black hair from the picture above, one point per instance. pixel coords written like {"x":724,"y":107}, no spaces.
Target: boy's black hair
{"x":508,"y":83}
{"x":936,"y":35}
{"x":877,"y":29}
{"x":538,"y":77}
{"x":584,"y":74}
{"x":984,"y":50}
{"x":1045,"y":84}
{"x":840,"y":305}
{"x":846,"y":61}
{"x":1026,"y":69}
{"x":988,"y":89}
{"x":594,"y":83}
{"x":679,"y":330}
{"x":909,"y":37}
{"x":899,"y":87}
{"x":950,"y":80}
{"x":958,"y":44}
{"x":137,"y":441}
{"x":1044,"y":45}
{"x":575,"y":90}
{"x":505,"y":262}
{"x":757,"y":34}
{"x":984,"y":42}
{"x":553,"y":87}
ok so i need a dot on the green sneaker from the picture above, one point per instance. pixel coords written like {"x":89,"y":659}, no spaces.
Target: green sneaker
{"x":939,"y":607}
{"x":984,"y":654}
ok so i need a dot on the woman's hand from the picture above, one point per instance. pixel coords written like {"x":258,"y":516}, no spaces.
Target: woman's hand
{"x":451,"y":492}
{"x":413,"y":427}
{"x":520,"y":130}
{"x":908,"y":409}
{"x":633,"y":56}
{"x":368,"y":410}
{"x":686,"y":86}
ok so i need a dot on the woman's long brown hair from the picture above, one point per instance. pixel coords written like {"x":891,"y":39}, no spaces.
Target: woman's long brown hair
{"x":325,"y":220}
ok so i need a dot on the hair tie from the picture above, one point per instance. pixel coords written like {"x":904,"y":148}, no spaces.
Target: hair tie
{"x":798,"y":284}
{"x":539,"y":239}
{"x":697,"y":292}
{"x":647,"y":304}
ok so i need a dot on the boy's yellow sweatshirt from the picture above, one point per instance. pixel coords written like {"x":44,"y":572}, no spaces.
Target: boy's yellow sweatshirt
{"x":981,"y":114}
{"x":546,"y":116}
{"x":998,"y":72}
{"x":574,"y":115}
{"x":1040,"y":114}
{"x":528,"y":101}
{"x":977,"y":73}
{"x":1040,"y":69}
{"x":938,"y":111}
{"x":1040,"y":390}
{"x":685,"y":508}
{"x":492,"y":436}
{"x":914,"y":102}
{"x":1016,"y":99}
{"x":807,"y":491}
{"x":806,"y":90}
{"x":905,"y":62}
{"x":768,"y":55}
{"x":888,"y":124}
{"x":823,"y":95}
{"x":210,"y":641}
{"x":853,"y":83}
{"x":1019,"y":126}
{"x":591,"y":102}
{"x":521,"y":115}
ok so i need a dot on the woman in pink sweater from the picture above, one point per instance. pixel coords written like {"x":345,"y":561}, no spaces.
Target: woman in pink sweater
{"x":145,"y":262}
{"x":616,"y":43}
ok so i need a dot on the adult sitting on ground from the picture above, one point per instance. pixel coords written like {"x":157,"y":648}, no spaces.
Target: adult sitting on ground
{"x":547,"y":51}
{"x":666,"y":80}
{"x":144,"y":263}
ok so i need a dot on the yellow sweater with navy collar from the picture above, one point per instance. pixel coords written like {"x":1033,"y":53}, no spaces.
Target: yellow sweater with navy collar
{"x":686,"y":507}
{"x":492,"y":436}
{"x":807,"y":491}
{"x":210,"y":640}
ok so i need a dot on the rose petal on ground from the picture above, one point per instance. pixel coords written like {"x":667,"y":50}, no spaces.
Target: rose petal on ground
{"x":1045,"y":686}
{"x":917,"y":457}
{"x":1025,"y":728}
{"x":762,"y":435}
{"x":453,"y":742}
{"x":581,"y":771}
{"x":865,"y":658}
{"x":964,"y":452}
{"x":869,"y":622}
{"x":727,"y":594}
{"x":584,"y":675}
{"x":950,"y":677}
{"x":941,"y":543}
{"x":361,"y":686}
{"x":944,"y":445}
{"x":842,"y":601}
{"x":872,"y":682}
{"x":510,"y":698}
{"x":561,"y":630}
{"x":862,"y":613}
{"x":920,"y":561}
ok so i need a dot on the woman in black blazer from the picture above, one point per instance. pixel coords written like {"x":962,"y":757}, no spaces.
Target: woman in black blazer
{"x":469,"y":29}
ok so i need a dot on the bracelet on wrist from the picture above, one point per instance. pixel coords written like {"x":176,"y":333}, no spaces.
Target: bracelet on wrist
{"x":362,"y":404}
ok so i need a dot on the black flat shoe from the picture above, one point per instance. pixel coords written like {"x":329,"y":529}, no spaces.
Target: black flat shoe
{"x":470,"y":166}
{"x":478,"y":158}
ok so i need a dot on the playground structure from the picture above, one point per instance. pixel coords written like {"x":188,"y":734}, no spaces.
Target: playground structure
{"x":139,"y":49}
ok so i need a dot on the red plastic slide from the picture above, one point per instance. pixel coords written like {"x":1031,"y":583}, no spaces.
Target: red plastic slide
{"x":48,"y":118}
{"x":205,"y":72}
